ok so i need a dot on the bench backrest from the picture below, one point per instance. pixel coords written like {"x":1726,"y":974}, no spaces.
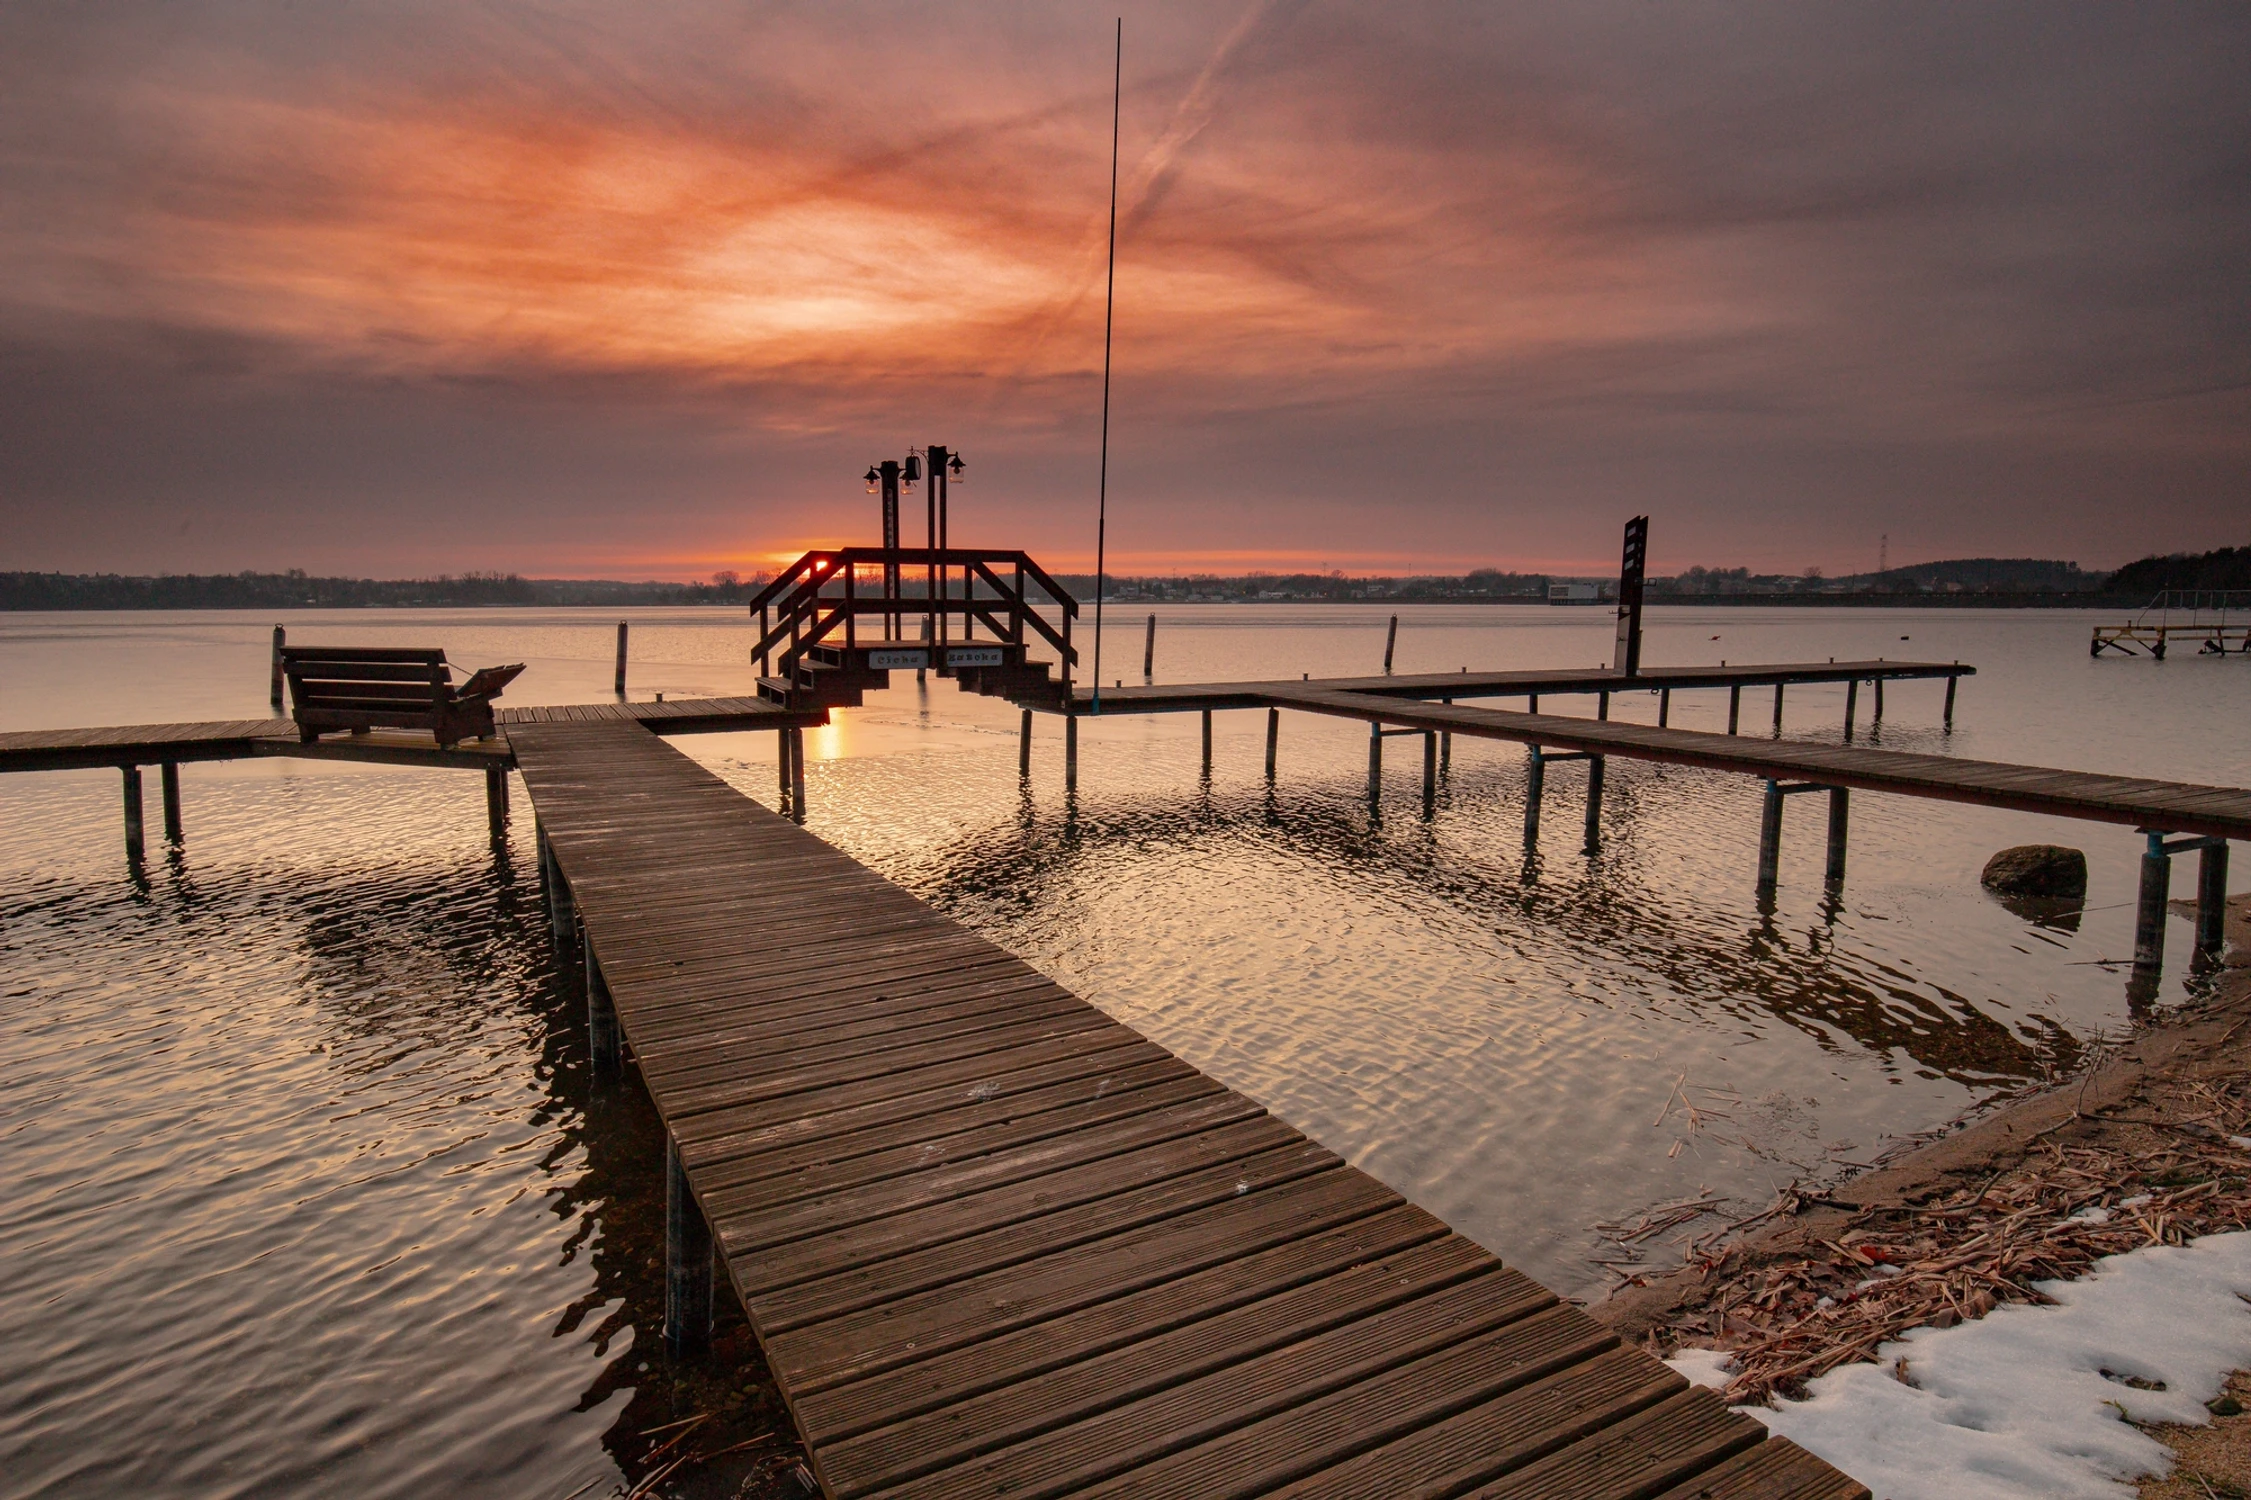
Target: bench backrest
{"x":367,"y":679}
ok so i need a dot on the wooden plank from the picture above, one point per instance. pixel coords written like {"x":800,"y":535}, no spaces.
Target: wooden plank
{"x":1776,"y":1469}
{"x":1653,"y":1450}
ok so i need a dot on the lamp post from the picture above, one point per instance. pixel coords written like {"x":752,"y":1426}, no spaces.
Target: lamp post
{"x":883,"y":479}
{"x":889,"y":479}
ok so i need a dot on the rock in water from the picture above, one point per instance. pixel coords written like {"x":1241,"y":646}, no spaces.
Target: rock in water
{"x":2038,"y":870}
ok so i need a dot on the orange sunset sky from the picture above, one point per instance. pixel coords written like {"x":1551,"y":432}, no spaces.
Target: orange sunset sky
{"x":589,"y":290}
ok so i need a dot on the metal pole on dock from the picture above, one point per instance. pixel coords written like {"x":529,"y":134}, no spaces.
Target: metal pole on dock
{"x":797,"y":774}
{"x":621,"y":658}
{"x":1024,"y":746}
{"x":1375,"y":767}
{"x":2212,"y":898}
{"x":1535,"y":781}
{"x":601,"y":1012}
{"x":1207,"y":744}
{"x":1070,"y":754}
{"x":1770,"y":841}
{"x":496,"y":801}
{"x":1149,"y":652}
{"x":1840,"y":821}
{"x":1390,"y":639}
{"x":1273,"y":740}
{"x":280,"y":637}
{"x":2149,"y":914}
{"x":168,"y":774}
{"x":1734,"y":706}
{"x":136,"y":847}
{"x":1593,"y":843}
{"x":687,"y":1262}
{"x":1951,"y":684}
{"x":1852,"y":705}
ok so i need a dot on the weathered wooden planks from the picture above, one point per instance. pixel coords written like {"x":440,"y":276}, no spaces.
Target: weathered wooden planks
{"x":995,"y":1243}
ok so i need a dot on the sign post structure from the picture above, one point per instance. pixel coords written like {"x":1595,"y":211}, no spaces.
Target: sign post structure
{"x":1630,"y":566}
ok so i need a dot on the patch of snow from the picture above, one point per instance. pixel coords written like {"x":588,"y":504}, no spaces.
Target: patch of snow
{"x":2240,"y":1142}
{"x":2032,"y":1403}
{"x":2089,"y":1215}
{"x":2138,"y":1200}
{"x":1705,"y":1367}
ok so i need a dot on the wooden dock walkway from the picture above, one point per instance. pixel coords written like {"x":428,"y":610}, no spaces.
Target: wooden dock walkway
{"x":995,"y":1243}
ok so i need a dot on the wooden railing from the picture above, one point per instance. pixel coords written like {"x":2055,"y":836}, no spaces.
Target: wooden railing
{"x":824,"y":592}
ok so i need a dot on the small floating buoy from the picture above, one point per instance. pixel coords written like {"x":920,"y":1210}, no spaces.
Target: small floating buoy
{"x":1903,"y":638}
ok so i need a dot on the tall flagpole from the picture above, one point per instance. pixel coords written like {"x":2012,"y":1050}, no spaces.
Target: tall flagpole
{"x":1109,"y":310}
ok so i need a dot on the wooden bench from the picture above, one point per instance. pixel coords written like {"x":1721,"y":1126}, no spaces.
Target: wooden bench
{"x":382,"y":687}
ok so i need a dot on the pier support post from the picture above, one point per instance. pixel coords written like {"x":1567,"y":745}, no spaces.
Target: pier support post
{"x":2212,"y":899}
{"x":280,"y":638}
{"x":496,"y":801}
{"x":168,"y":774}
{"x":687,"y":1263}
{"x":1024,"y":746}
{"x":1840,"y":821}
{"x":1852,"y":705}
{"x":1951,"y":683}
{"x":1446,"y":745}
{"x":1070,"y":755}
{"x":136,"y":843}
{"x":1664,"y":707}
{"x":1149,"y":653}
{"x":1878,"y":716}
{"x":1770,"y":841}
{"x":1734,"y":706}
{"x":1593,"y":845}
{"x":797,"y":774}
{"x":1430,"y":767}
{"x":2149,"y":913}
{"x":781,"y":760}
{"x":1532,"y":703}
{"x":621,"y":658}
{"x":560,"y":916}
{"x":1535,"y":782}
{"x":601,"y":1012}
{"x":1273,"y":740}
{"x":1207,"y":744}
{"x":1602,"y":706}
{"x":1391,"y":639}
{"x":1375,"y":767}
{"x":1778,"y":708}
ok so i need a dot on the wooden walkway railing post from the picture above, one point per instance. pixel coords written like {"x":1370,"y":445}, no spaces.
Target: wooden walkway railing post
{"x":687,"y":1262}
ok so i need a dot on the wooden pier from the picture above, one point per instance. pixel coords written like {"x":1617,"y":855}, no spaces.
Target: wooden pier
{"x":995,"y":1243}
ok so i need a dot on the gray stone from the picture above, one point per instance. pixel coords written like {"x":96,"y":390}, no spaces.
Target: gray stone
{"x":2038,"y":870}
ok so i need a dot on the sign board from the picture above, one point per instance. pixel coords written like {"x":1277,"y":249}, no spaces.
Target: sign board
{"x":973,"y":656}
{"x":889,"y":661}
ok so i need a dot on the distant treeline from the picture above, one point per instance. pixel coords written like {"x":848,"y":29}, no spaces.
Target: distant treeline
{"x":1971,"y":582}
{"x":299,"y":590}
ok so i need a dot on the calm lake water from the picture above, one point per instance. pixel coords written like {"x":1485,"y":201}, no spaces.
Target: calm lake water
{"x":306,"y":1192}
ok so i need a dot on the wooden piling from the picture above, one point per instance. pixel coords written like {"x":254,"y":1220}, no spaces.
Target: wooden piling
{"x":1149,"y":652}
{"x":561,"y":918}
{"x":1446,"y":745}
{"x":280,"y":637}
{"x":496,"y":801}
{"x":1375,"y":767}
{"x":2212,"y":898}
{"x":1390,"y":639}
{"x":1770,"y":841}
{"x":1532,"y":703}
{"x":1778,"y":708}
{"x":1602,"y":706}
{"x":1878,"y":716}
{"x":796,"y":773}
{"x":168,"y":775}
{"x":621,"y":658}
{"x":1951,"y":684}
{"x":1535,"y":782}
{"x":601,"y":1012}
{"x":136,"y":844}
{"x":1840,"y":820}
{"x":2149,"y":915}
{"x":1273,"y":740}
{"x":1024,"y":746}
{"x":1430,"y":767}
{"x":1664,"y":707}
{"x":1207,"y":744}
{"x":1734,"y":706}
{"x":1070,"y":755}
{"x":781,"y":759}
{"x":687,"y":1263}
{"x":1593,"y":844}
{"x":1852,"y":705}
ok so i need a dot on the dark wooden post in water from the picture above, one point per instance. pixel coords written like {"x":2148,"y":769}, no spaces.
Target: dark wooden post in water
{"x":1778,"y":708}
{"x":1024,"y":746}
{"x":560,"y":918}
{"x":136,"y":844}
{"x":2149,"y":917}
{"x":1375,"y":767}
{"x":1430,"y":767}
{"x":1770,"y":841}
{"x":1840,"y":821}
{"x":1852,"y":705}
{"x":687,"y":1262}
{"x":1446,"y":745}
{"x":280,"y":636}
{"x":1602,"y":705}
{"x":496,"y":801}
{"x":1535,"y":782}
{"x":1734,"y":706}
{"x":796,"y":773}
{"x":168,"y":774}
{"x":1149,"y":652}
{"x":1593,"y":844}
{"x":1207,"y":744}
{"x":781,"y":759}
{"x":1664,"y":707}
{"x":1878,"y":716}
{"x":1390,"y":639}
{"x":2212,"y":898}
{"x":1273,"y":740}
{"x":1070,"y":754}
{"x":1632,"y":563}
{"x":621,"y":658}
{"x":1951,"y":684}
{"x":601,"y":1012}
